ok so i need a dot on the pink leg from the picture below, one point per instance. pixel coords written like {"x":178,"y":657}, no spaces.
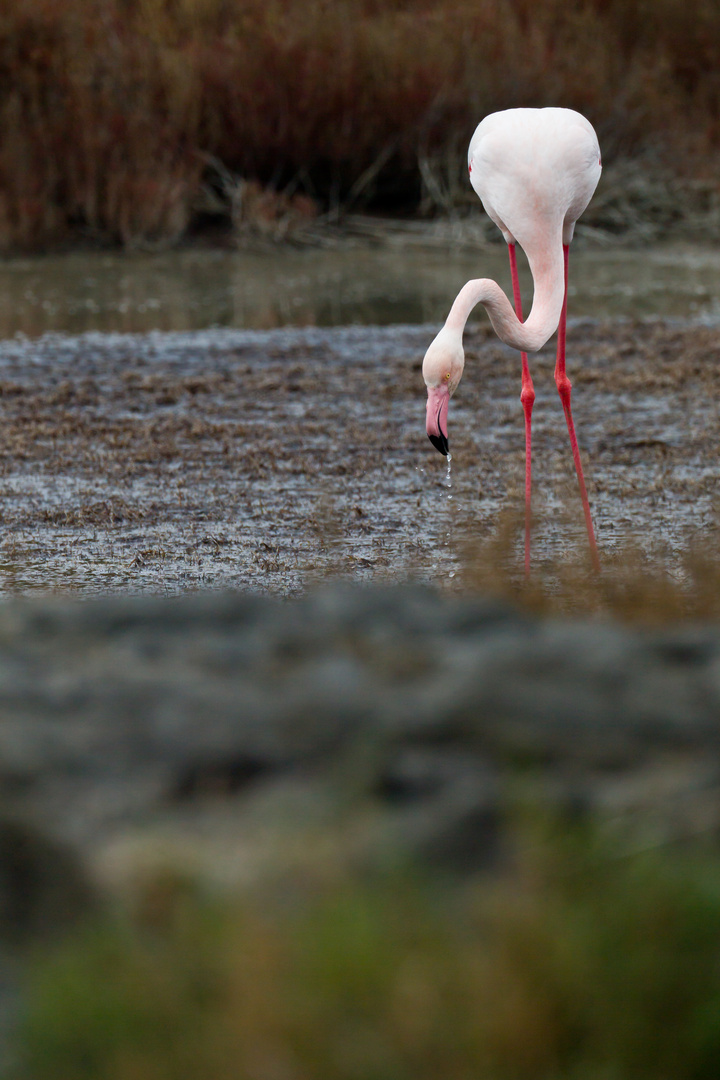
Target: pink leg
{"x":564,"y":387}
{"x":527,"y":396}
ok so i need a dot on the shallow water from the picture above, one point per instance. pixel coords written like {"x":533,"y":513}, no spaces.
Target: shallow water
{"x":261,"y":452}
{"x":196,"y":289}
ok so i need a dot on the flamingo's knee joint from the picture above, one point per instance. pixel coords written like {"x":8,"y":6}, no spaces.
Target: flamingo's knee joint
{"x":527,"y":396}
{"x":564,"y":387}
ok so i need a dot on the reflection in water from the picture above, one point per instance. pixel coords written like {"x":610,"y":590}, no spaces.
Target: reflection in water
{"x":194,"y":289}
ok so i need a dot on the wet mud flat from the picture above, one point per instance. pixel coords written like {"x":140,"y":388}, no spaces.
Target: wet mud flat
{"x":267,"y":460}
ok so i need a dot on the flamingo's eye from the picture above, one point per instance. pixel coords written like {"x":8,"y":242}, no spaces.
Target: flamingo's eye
{"x":448,"y":376}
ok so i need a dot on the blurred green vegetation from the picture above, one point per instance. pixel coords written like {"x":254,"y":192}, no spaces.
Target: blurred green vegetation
{"x":581,"y":961}
{"x":120,"y":118}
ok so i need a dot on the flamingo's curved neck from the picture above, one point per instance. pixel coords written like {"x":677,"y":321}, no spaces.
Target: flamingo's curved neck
{"x":547,"y":266}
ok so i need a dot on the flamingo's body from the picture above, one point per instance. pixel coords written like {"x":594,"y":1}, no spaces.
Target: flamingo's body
{"x":535,"y":171}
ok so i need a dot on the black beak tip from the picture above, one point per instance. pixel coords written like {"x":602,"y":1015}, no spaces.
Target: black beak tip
{"x":440,"y":443}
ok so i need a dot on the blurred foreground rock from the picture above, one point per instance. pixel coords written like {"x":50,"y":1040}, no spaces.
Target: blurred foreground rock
{"x":241,"y":738}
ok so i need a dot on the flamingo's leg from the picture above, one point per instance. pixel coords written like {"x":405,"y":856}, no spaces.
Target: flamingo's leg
{"x":564,"y":387}
{"x":527,"y":397}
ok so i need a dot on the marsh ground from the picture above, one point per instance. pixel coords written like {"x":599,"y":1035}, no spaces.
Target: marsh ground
{"x":262,"y":460}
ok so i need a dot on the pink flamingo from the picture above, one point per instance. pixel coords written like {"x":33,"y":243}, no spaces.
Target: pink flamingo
{"x":535,"y":171}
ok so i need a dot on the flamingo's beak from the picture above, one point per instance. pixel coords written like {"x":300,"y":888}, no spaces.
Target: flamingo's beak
{"x":437,"y":416}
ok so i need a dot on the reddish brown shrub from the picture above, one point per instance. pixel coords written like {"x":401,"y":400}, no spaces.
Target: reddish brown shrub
{"x":109,"y":108}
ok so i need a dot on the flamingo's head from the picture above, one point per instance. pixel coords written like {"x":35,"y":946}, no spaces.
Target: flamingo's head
{"x":442,"y":370}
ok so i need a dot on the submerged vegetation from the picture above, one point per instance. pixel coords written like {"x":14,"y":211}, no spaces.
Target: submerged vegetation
{"x":129,"y":122}
{"x":583,"y":961}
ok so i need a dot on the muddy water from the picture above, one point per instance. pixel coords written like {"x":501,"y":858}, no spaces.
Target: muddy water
{"x":165,"y":462}
{"x":159,"y":435}
{"x":193,"y":290}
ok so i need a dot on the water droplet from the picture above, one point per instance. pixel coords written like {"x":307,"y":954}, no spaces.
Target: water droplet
{"x":448,"y":485}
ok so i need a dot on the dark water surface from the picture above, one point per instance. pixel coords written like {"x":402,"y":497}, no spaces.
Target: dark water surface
{"x":197,"y":289}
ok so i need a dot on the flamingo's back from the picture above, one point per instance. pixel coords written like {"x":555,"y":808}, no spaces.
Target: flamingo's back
{"x":535,"y":171}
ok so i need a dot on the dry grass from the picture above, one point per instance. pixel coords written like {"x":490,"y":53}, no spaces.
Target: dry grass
{"x":583,"y":963}
{"x":110,"y":110}
{"x":632,"y":586}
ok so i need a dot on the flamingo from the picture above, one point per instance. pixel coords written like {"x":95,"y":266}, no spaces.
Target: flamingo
{"x":535,"y":171}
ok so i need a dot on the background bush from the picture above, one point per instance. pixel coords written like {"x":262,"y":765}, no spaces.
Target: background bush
{"x":110,"y":108}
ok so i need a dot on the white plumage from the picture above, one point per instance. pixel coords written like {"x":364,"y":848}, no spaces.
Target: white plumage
{"x":535,"y":171}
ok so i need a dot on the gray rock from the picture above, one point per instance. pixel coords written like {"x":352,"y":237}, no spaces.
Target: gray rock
{"x":443,"y":807}
{"x":407,"y":711}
